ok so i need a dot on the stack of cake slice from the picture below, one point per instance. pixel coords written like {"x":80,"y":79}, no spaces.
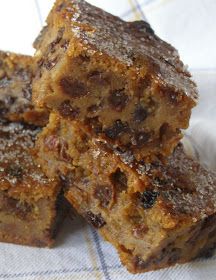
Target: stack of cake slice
{"x":117,"y":97}
{"x":155,"y":214}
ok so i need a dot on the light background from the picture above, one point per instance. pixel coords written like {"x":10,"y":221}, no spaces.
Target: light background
{"x":190,"y":25}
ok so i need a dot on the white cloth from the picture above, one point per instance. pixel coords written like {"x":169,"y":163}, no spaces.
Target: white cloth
{"x":80,"y":253}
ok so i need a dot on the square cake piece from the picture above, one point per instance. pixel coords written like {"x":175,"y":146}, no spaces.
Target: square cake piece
{"x":16,"y":73}
{"x":156,"y":215}
{"x":118,"y":78}
{"x":31,"y":205}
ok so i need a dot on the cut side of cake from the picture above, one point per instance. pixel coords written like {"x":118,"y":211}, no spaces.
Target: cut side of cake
{"x":126,"y":85}
{"x":32,"y":206}
{"x":155,"y":214}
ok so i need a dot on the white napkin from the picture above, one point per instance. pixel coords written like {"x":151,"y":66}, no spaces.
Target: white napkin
{"x":80,"y":253}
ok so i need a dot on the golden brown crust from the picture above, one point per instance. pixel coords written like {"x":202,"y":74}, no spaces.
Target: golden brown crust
{"x":30,"y":203}
{"x":123,"y":41}
{"x":16,"y":73}
{"x":19,"y":175}
{"x":125,"y":84}
{"x":156,"y":214}
{"x":32,"y":224}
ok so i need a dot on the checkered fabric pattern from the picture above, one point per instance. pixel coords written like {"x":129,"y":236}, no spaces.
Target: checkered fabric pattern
{"x":80,"y":253}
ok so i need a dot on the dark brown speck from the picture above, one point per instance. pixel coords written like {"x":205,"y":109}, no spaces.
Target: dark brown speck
{"x":73,"y":88}
{"x":104,"y":194}
{"x":141,"y":138}
{"x":118,"y":100}
{"x":116,"y":130}
{"x":140,"y":114}
{"x":67,"y":111}
{"x":95,"y":219}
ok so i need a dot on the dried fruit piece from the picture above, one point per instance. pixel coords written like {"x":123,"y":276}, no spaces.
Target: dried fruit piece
{"x":116,"y":130}
{"x":119,"y":180}
{"x":141,"y":138}
{"x":14,"y":170}
{"x":118,"y":100}
{"x":67,"y":111}
{"x":98,"y":78}
{"x":73,"y":88}
{"x":104,"y":194}
{"x":140,"y":114}
{"x":148,"y":198}
{"x":57,"y":40}
{"x":95,"y":219}
{"x":95,"y":125}
{"x":19,"y":208}
{"x":49,"y":64}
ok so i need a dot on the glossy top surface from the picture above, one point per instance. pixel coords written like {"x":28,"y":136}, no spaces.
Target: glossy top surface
{"x":132,"y":43}
{"x":15,"y":83}
{"x":184,"y":185}
{"x":18,"y":172}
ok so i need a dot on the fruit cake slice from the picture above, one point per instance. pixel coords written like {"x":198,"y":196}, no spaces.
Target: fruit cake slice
{"x":156,"y":214}
{"x":31,"y":205}
{"x":118,"y":78}
{"x":16,"y":73}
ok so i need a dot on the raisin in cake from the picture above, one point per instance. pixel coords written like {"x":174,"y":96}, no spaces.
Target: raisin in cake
{"x":118,"y":78}
{"x":155,"y":214}
{"x":31,"y":205}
